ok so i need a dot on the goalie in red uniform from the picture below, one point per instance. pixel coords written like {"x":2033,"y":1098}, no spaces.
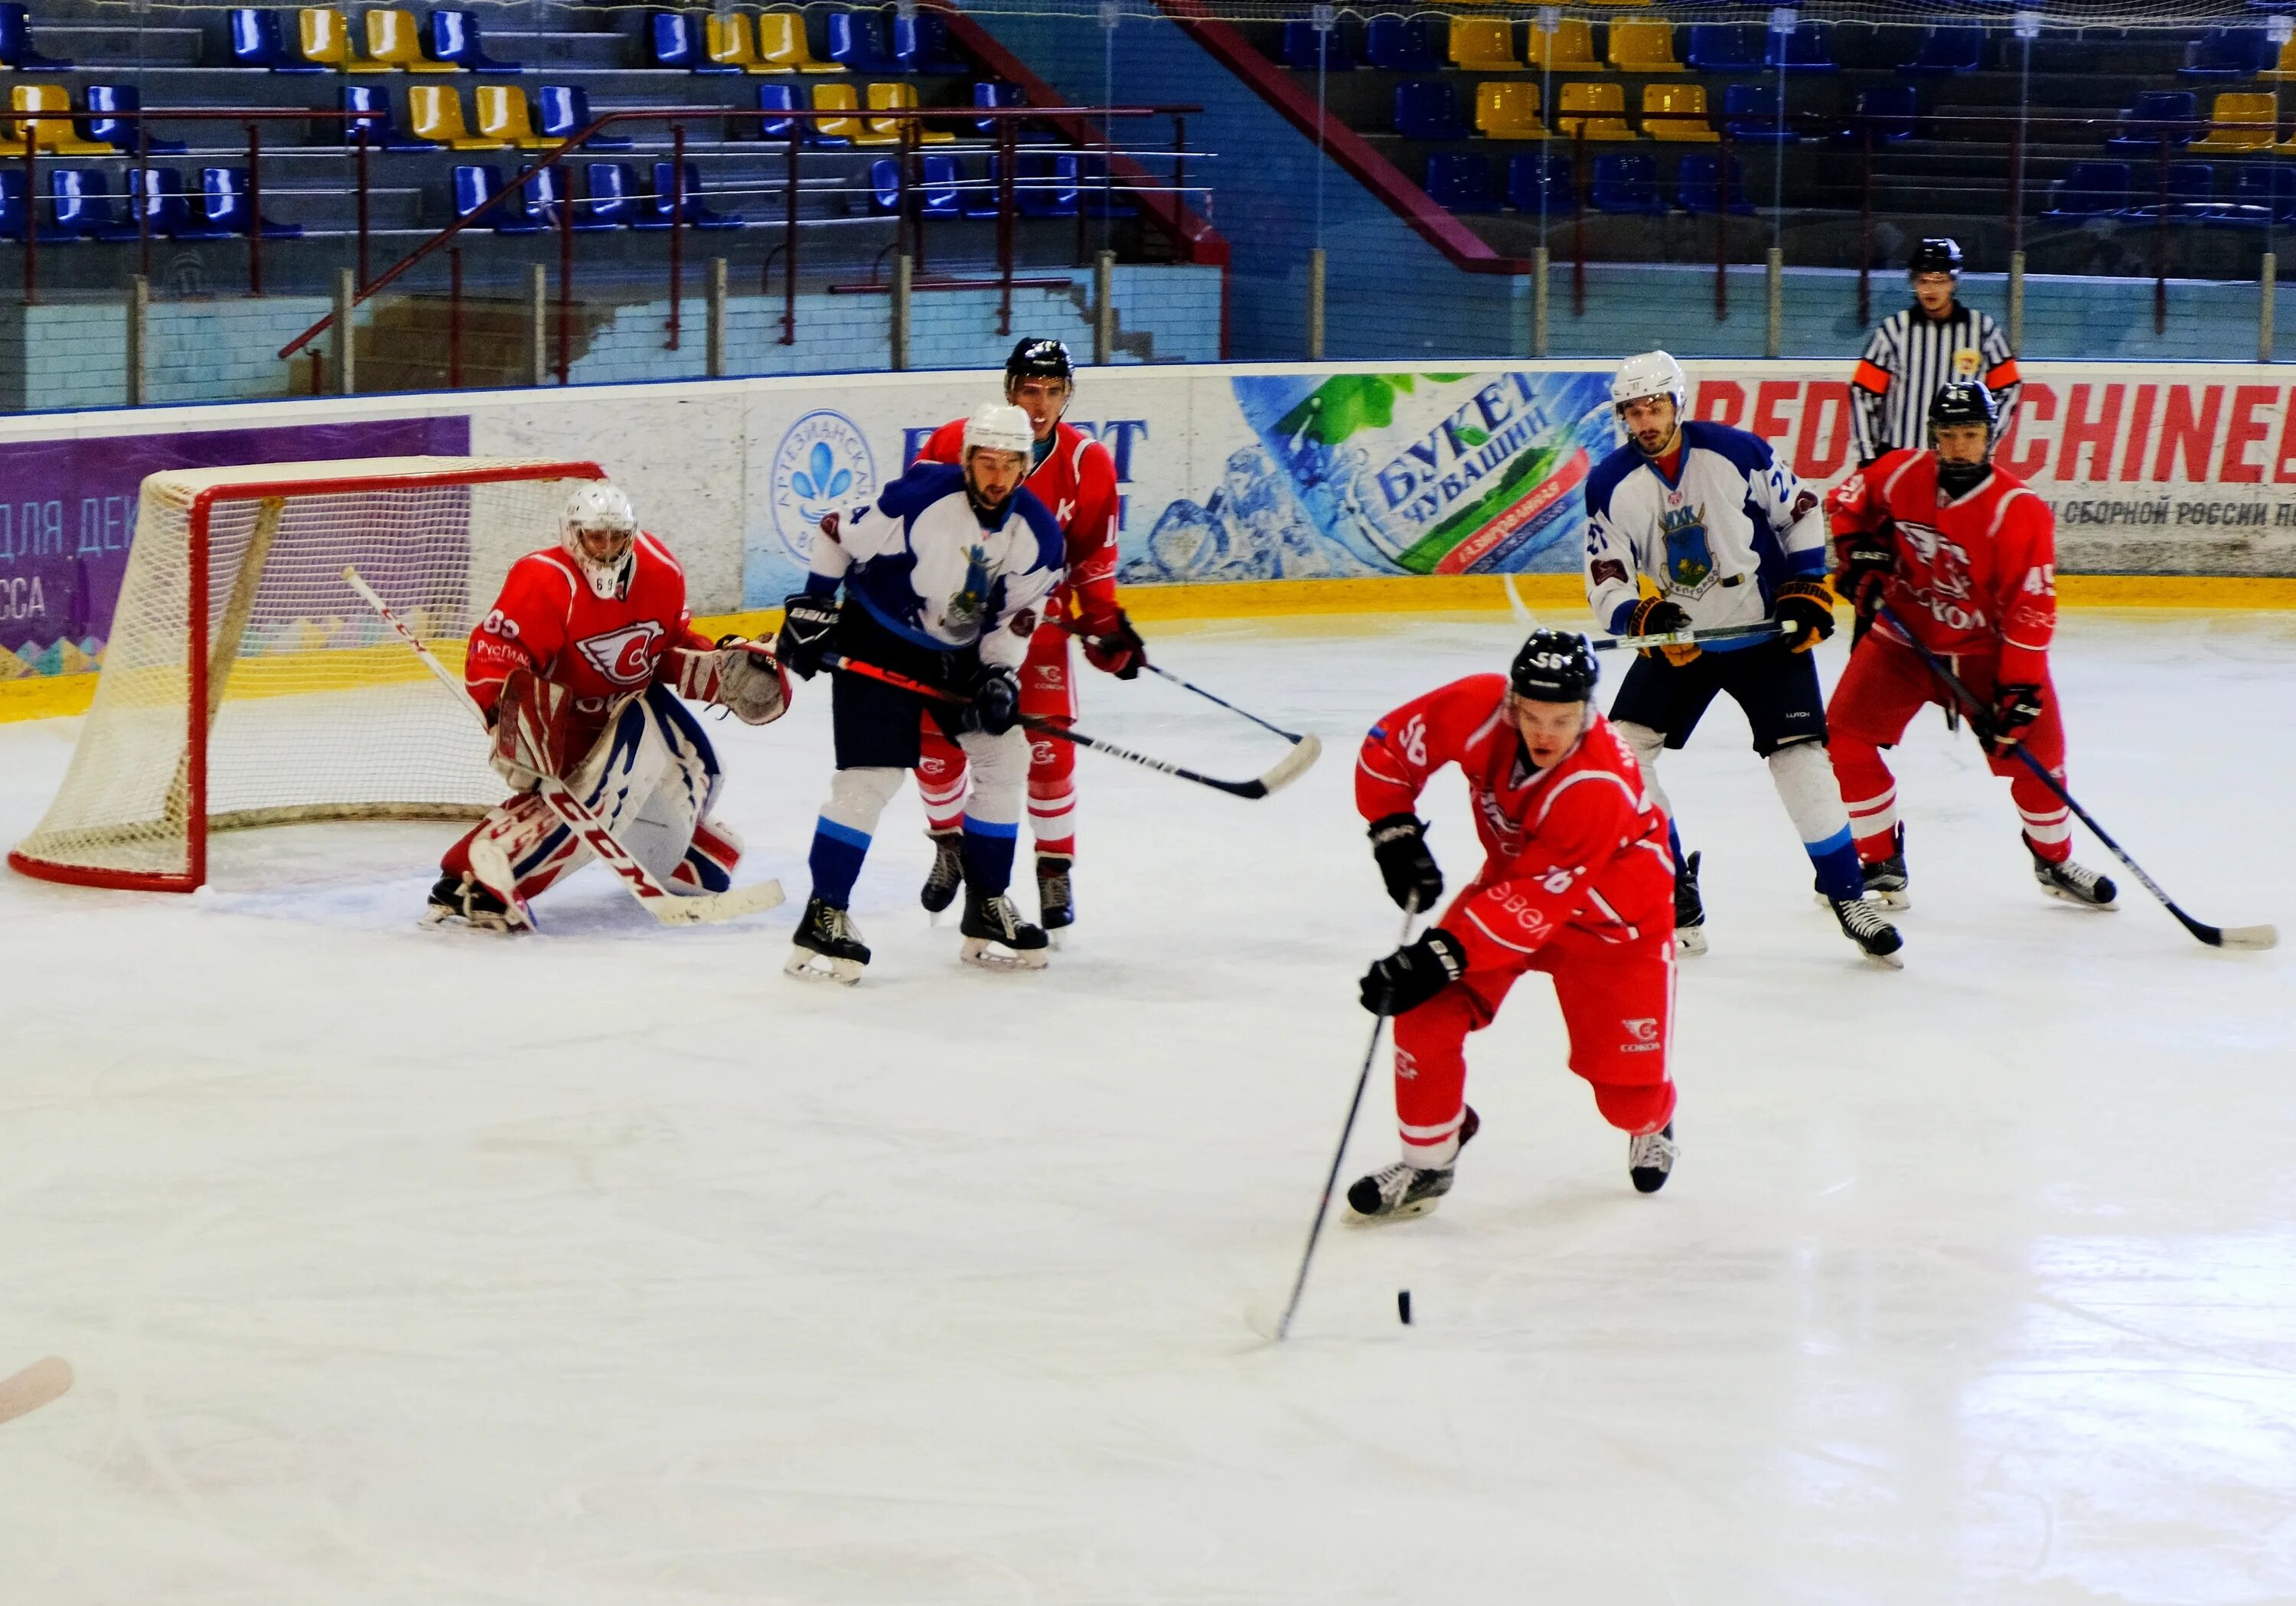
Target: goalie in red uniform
{"x":1073,"y":475}
{"x":578,"y":667}
{"x":1577,"y":881}
{"x":1963,"y":555}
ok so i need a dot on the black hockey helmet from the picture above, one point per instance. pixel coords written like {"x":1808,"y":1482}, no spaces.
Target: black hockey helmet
{"x":1964,"y":401}
{"x":1038,"y":359}
{"x":1935,"y":255}
{"x":1554,"y":666}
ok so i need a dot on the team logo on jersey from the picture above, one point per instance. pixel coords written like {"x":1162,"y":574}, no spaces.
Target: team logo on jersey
{"x":965,"y":608}
{"x":1943,"y":564}
{"x":822,"y":465}
{"x":1689,"y":559}
{"x":624,"y":657}
{"x":1642,"y":1030}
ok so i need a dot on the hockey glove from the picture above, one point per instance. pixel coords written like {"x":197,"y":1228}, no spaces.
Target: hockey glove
{"x":1400,"y":842}
{"x":807,"y":628}
{"x":1410,"y":976}
{"x":996,"y":705}
{"x":2014,"y":708}
{"x":745,"y":681}
{"x":1867,"y":559}
{"x":1807,"y":605}
{"x":1656,"y":616}
{"x":531,"y":729}
{"x":1119,"y":651}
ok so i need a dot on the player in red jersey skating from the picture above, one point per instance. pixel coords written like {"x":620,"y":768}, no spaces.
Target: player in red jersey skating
{"x":578,"y":667}
{"x":1964,"y":556}
{"x":1577,"y":881}
{"x":1073,"y":475}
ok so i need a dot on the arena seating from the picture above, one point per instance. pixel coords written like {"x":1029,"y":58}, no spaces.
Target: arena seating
{"x":1698,"y":184}
{"x":1668,"y":111}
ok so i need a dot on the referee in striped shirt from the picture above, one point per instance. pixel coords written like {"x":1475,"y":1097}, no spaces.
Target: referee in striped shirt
{"x":1935,"y":341}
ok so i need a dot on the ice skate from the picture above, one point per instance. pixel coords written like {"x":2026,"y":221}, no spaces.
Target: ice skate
{"x":1055,"y":905}
{"x":2074,"y":883}
{"x":1886,"y":880}
{"x":1689,"y":911}
{"x":465,"y":898}
{"x":1650,"y":1159}
{"x":828,"y":946}
{"x":946,"y":875}
{"x":997,"y":938}
{"x":1401,"y":1191}
{"x":1862,"y":924}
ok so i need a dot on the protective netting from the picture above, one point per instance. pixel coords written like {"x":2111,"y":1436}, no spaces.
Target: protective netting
{"x":314,"y":709}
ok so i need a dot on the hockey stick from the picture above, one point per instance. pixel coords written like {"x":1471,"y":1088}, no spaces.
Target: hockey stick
{"x":1288,"y":735}
{"x":1603,"y":644}
{"x":657,"y":899}
{"x":41,"y":1383}
{"x":1293,"y":765}
{"x":1339,"y":1155}
{"x":1981,"y":724}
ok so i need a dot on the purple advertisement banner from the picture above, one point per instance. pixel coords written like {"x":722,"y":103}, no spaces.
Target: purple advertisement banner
{"x":68,"y":516}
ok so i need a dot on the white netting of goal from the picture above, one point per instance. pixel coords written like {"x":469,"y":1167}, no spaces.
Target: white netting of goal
{"x":313,"y":708}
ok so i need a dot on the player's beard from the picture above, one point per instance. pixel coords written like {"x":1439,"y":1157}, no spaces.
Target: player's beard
{"x":991,"y":514}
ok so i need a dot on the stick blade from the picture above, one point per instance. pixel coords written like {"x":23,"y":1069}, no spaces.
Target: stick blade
{"x":711,"y":907}
{"x":1294,"y":764}
{"x":2252,"y":938}
{"x":41,"y":1383}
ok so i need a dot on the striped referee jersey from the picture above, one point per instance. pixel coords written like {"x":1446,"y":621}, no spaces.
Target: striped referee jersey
{"x":1910,"y":355}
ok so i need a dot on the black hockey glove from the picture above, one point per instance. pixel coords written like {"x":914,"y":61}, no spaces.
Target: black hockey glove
{"x":1409,"y":977}
{"x":1120,"y":651}
{"x":1656,"y":616}
{"x":1867,"y":559}
{"x":807,"y":623}
{"x":996,"y":705}
{"x":1400,"y":842}
{"x":1807,"y":605}
{"x":2014,"y":707}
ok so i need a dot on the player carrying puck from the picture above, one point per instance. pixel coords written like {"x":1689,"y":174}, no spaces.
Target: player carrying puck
{"x":1692,"y":524}
{"x":578,"y":667}
{"x":1577,"y":881}
{"x":1960,"y":553}
{"x":1073,"y":475}
{"x":943,"y":579}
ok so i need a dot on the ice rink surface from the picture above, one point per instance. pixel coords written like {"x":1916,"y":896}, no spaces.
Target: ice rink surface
{"x":611,"y":1266}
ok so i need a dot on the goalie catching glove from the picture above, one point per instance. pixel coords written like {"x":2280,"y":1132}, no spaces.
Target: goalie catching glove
{"x":741,"y":676}
{"x":1807,"y":605}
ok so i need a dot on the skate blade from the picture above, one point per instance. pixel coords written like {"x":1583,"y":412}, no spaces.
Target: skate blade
{"x":1887,"y":961}
{"x":1689,"y":941}
{"x":435,"y":918}
{"x":991,"y":955}
{"x":809,"y":966}
{"x":1401,"y":1213}
{"x":2077,"y":901}
{"x":1891,"y":900}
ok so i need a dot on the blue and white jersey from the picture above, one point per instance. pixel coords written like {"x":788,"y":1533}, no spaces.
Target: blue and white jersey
{"x":1716,"y":540}
{"x":920,"y":562}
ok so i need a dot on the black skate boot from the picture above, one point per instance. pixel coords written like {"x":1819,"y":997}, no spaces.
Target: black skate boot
{"x":1650,"y":1159}
{"x":947,"y":872}
{"x":1862,"y":924}
{"x":997,"y":938}
{"x":2074,"y":883}
{"x":1403,"y":1189}
{"x":1886,"y":880}
{"x":466,"y":899}
{"x":827,"y":945}
{"x":1055,"y":904}
{"x":1689,"y":912}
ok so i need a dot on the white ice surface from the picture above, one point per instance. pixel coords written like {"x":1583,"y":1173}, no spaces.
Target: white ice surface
{"x":612,"y":1267}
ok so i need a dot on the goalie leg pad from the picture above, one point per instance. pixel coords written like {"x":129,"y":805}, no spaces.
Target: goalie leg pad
{"x":657,"y":786}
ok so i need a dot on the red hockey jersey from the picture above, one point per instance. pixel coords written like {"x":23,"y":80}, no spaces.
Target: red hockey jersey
{"x":1579,"y":844}
{"x":1975,"y":576}
{"x":548,"y":619}
{"x":1076,"y":480}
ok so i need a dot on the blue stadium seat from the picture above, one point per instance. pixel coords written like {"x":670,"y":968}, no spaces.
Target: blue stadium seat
{"x":699,"y":213}
{"x":1428,"y":109}
{"x":370,"y":104}
{"x":1749,"y":115}
{"x":16,"y":47}
{"x":1724,"y":47}
{"x":223,"y":205}
{"x":773,"y":97}
{"x":15,"y":212}
{"x":165,"y":205}
{"x":513,"y":214}
{"x":1302,"y":42}
{"x":565,"y":111}
{"x":614,"y":199}
{"x":1103,"y":199}
{"x":1531,"y":173}
{"x":2158,"y":117}
{"x":852,"y":41}
{"x":1890,"y":112}
{"x":987,"y":92}
{"x":2090,"y":189}
{"x":455,"y":38}
{"x":105,"y":102}
{"x":2228,"y":52}
{"x":257,"y":40}
{"x":675,"y":39}
{"x":2191,"y":188}
{"x":1698,"y":184}
{"x":2262,"y":192}
{"x":551,"y":189}
{"x":924,"y":42}
{"x":82,"y":199}
{"x":1810,"y":48}
{"x":1046,"y":184}
{"x":936,"y":183}
{"x":1461,"y":182}
{"x":1942,"y":51}
{"x":1626,"y":184}
{"x":1396,"y":44}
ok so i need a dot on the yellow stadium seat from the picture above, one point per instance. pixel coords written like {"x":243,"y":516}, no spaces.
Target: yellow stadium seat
{"x":2285,"y":72}
{"x":732,"y":43}
{"x":1570,"y":48}
{"x":326,"y":40}
{"x":1508,"y":110}
{"x":1601,"y":108}
{"x":1617,"y":1}
{"x":838,"y":98}
{"x":887,"y":131}
{"x":2242,"y":122}
{"x":503,"y":115}
{"x":1683,"y":100}
{"x":394,"y":40}
{"x":55,"y":136}
{"x":782,"y":46}
{"x":1483,"y":44}
{"x":1644,"y":47}
{"x":435,"y":112}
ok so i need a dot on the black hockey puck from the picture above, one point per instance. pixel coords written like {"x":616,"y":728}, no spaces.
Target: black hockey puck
{"x":1403,"y":1306}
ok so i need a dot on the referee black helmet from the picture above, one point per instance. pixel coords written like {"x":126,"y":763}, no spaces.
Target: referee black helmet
{"x":1936,"y":255}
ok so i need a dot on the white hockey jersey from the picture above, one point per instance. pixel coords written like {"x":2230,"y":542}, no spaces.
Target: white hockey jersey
{"x":918,"y":560}
{"x":1716,"y":540}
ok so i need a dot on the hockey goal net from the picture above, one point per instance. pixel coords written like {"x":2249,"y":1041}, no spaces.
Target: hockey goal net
{"x":244,"y":683}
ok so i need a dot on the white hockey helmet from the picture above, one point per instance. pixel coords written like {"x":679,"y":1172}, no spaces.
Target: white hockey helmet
{"x":999,"y":427}
{"x":597,"y":507}
{"x":1653,"y":374}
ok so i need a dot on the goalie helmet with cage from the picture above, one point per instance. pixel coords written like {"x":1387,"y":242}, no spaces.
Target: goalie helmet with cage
{"x":599,"y":531}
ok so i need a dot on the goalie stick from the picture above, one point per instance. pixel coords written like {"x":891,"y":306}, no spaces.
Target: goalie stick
{"x":657,"y":899}
{"x":2215,"y":936}
{"x":1528,"y":621}
{"x":1294,"y":764}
